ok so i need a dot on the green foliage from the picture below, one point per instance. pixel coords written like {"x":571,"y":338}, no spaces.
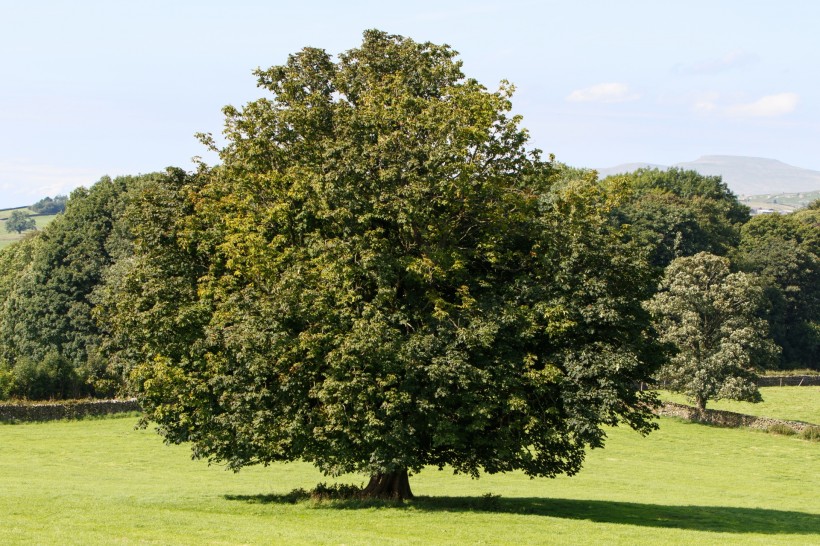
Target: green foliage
{"x":18,"y":222}
{"x":784,"y":250}
{"x":48,"y":334}
{"x":146,"y":303}
{"x":379,"y":276}
{"x":336,"y":491}
{"x":675,"y":213}
{"x":15,"y":261}
{"x":782,"y":430}
{"x":6,"y":381}
{"x":47,"y":205}
{"x":708,"y":314}
{"x":50,"y":377}
{"x":811,"y":433}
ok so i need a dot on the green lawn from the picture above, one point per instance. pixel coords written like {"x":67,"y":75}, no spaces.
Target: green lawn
{"x":102,"y":482}
{"x":791,"y":403}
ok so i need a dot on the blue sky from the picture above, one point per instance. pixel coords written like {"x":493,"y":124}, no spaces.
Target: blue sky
{"x":91,"y":88}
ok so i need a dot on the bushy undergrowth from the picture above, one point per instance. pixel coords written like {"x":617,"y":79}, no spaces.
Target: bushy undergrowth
{"x":336,"y":491}
{"x":811,"y":433}
{"x":789,"y":372}
{"x":783,"y":430}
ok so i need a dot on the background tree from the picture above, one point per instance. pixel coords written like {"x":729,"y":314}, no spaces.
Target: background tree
{"x":380,"y":277}
{"x":18,"y":221}
{"x":784,"y":250}
{"x":47,"y":205}
{"x":708,"y":314}
{"x":675,"y":213}
{"x":48,"y":334}
{"x":15,"y":260}
{"x":146,"y":304}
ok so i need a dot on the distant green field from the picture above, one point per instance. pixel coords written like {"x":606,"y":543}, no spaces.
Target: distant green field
{"x":781,"y":202}
{"x":102,"y":482}
{"x":790,"y":403}
{"x":7,"y":238}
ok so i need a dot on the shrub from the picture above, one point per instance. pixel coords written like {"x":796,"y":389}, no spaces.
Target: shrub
{"x":811,"y":433}
{"x":49,"y":378}
{"x":6,"y":382}
{"x":338,"y":491}
{"x":490,"y":502}
{"x":780,"y":428}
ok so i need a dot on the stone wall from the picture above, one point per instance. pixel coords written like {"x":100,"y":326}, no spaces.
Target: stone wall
{"x":726,"y":418}
{"x":70,"y":409}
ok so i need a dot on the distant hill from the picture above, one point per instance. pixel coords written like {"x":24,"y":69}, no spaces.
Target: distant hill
{"x":743,"y":175}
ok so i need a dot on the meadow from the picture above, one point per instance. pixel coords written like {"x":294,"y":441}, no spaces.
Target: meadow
{"x":103,"y":482}
{"x":790,"y":403}
{"x":7,"y":238}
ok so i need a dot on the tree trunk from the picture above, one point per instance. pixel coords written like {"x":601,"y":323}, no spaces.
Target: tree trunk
{"x":393,"y":485}
{"x":700,"y":403}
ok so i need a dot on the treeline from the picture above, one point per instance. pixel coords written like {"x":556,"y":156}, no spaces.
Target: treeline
{"x":116,"y":276}
{"x":54,"y":341}
{"x":47,"y":205}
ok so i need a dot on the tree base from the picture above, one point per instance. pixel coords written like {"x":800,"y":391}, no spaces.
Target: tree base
{"x":393,"y":485}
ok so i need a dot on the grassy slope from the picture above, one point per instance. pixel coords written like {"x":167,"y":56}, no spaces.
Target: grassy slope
{"x":103,"y":482}
{"x":7,"y":238}
{"x":791,"y":403}
{"x":780,"y":201}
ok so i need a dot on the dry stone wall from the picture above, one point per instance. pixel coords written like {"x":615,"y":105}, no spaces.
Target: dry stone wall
{"x":72,"y":409}
{"x":726,"y":418}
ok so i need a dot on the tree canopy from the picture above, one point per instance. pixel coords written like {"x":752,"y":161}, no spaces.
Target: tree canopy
{"x":18,"y":221}
{"x":709,"y":315}
{"x":47,"y":205}
{"x":49,"y":335}
{"x":784,"y":250}
{"x":381,"y":276}
{"x":677,"y":213}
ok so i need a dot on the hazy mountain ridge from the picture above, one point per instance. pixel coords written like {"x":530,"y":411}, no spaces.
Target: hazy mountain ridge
{"x":745,"y":176}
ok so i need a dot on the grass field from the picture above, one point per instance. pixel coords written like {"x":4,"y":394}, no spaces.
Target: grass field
{"x":791,"y":403}
{"x":7,"y":238}
{"x":102,"y":482}
{"x":786,"y":202}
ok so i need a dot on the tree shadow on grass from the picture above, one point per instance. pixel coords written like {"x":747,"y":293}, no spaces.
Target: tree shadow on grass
{"x":717,"y":519}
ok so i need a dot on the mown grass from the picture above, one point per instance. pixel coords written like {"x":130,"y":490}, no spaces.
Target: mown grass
{"x":102,"y":482}
{"x":790,"y":403}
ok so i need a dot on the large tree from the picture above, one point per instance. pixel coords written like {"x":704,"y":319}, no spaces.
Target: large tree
{"x":19,"y":222}
{"x":379,"y":277}
{"x":709,"y":315}
{"x":48,"y":331}
{"x":675,"y":213}
{"x":784,"y":250}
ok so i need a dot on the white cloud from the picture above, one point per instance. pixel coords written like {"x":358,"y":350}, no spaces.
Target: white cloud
{"x":706,"y":103}
{"x":603,"y":92}
{"x":737,"y":58}
{"x":768,"y":106}
{"x":713,"y":103}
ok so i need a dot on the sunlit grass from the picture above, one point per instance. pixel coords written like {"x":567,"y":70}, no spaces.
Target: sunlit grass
{"x":102,"y":482}
{"x":7,"y":238}
{"x":790,"y":403}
